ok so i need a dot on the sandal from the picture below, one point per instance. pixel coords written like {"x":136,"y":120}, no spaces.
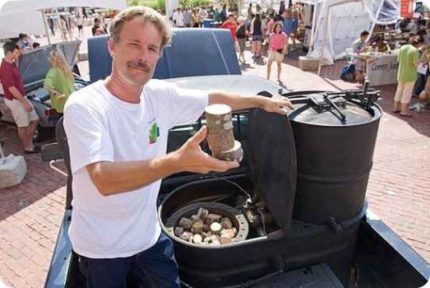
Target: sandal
{"x":36,"y":149}
{"x":405,"y":115}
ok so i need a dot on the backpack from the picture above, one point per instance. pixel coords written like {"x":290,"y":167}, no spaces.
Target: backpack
{"x":348,"y":72}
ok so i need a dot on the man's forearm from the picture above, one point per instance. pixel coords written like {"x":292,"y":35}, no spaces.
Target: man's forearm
{"x":18,"y":96}
{"x":235,"y":101}
{"x":118,"y":177}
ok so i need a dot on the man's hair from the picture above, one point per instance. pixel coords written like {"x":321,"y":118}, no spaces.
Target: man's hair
{"x":364,"y":33}
{"x":149,"y":15}
{"x":22,"y":35}
{"x":9,"y":47}
{"x":416,"y":40}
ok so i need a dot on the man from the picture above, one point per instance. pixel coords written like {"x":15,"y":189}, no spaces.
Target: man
{"x":178,"y":18}
{"x":203,"y":14}
{"x":96,"y":26}
{"x":408,"y":58}
{"x":187,"y":17}
{"x":23,"y":42}
{"x":358,"y":64}
{"x":14,"y":94}
{"x":359,"y":44}
{"x":117,"y":132}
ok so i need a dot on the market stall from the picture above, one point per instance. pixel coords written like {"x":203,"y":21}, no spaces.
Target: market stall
{"x":381,"y":69}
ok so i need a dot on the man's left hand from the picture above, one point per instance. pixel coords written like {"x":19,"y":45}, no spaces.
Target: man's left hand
{"x":277,"y":105}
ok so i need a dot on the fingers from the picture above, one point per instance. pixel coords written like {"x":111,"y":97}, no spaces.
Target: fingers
{"x":212,"y":164}
{"x":199,"y":136}
{"x":285,"y":103}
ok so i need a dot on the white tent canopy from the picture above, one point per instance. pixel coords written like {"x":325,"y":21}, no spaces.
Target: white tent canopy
{"x":340,"y":22}
{"x":19,"y":5}
{"x":11,"y":24}
{"x":26,"y":16}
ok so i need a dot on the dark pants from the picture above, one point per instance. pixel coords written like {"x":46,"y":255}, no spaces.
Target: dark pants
{"x":420,"y":84}
{"x":155,"y":267}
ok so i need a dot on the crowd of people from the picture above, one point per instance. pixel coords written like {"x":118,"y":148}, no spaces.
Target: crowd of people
{"x":413,"y":72}
{"x":274,"y":29}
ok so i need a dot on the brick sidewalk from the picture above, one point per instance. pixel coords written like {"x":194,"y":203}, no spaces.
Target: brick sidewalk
{"x":399,"y":190}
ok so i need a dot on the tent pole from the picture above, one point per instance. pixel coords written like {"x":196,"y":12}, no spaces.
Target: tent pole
{"x":314,"y":22}
{"x":46,"y":26}
{"x":324,"y":41}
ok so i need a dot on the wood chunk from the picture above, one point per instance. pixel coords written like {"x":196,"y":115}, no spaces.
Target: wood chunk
{"x":206,"y":228}
{"x":185,"y":223}
{"x":229,"y":233}
{"x":194,"y":217}
{"x":197,"y":226}
{"x":214,"y":217}
{"x":225,"y":240}
{"x":215,"y":227}
{"x":226,"y":223}
{"x":197,"y":238}
{"x":216,"y":240}
{"x":202,"y":213}
{"x":170,"y":230}
{"x":178,"y":231}
{"x":186,"y":236}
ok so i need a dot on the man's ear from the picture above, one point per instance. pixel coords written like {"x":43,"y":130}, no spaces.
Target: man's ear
{"x":111,"y":47}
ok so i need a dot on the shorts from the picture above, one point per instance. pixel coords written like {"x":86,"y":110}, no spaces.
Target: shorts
{"x":242,"y":44}
{"x":257,"y":37}
{"x":276,"y":56}
{"x":22,"y":118}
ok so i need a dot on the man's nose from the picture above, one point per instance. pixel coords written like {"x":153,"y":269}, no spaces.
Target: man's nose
{"x":143,"y":54}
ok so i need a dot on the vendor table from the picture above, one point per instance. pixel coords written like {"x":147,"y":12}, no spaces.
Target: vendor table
{"x":381,"y":68}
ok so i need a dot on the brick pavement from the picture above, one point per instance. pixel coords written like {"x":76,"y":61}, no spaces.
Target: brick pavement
{"x":399,"y":190}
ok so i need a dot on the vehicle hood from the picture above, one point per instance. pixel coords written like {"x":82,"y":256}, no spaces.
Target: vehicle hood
{"x":34,"y":64}
{"x":244,"y":84}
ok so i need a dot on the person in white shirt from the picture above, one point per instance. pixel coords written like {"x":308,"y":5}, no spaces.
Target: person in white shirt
{"x":203,"y":14}
{"x":178,"y":18}
{"x":117,"y":133}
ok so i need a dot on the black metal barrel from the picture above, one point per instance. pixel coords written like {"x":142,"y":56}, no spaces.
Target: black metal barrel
{"x":335,"y":136}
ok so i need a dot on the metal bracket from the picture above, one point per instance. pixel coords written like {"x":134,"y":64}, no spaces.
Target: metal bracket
{"x":51,"y":165}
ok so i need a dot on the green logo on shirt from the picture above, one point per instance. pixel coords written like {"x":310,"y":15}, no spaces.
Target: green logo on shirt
{"x":154,"y":132}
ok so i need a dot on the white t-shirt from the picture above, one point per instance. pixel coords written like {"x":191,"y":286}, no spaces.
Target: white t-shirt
{"x":101,"y":127}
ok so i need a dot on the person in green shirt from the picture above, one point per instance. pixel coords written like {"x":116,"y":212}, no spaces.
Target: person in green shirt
{"x":59,"y":80}
{"x":408,"y":58}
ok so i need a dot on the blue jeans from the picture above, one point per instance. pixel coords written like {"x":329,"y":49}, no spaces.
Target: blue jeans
{"x":420,"y":84}
{"x":154,"y":267}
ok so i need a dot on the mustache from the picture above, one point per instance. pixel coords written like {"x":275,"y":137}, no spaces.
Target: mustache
{"x":139,"y":65}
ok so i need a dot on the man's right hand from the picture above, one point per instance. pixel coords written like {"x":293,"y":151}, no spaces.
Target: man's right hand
{"x":191,"y":157}
{"x":26,"y":105}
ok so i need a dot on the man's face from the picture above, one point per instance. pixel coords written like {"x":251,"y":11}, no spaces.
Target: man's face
{"x":15,"y":54}
{"x":136,"y":53}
